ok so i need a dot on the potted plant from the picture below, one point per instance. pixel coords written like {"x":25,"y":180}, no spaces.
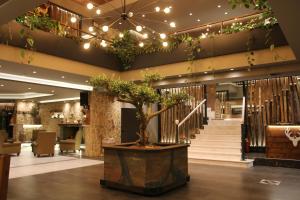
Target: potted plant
{"x":142,"y":167}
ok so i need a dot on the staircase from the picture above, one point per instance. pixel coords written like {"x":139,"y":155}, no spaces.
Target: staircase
{"x":219,"y":143}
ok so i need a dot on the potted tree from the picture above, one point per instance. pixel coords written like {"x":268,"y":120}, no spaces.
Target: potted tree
{"x":142,"y":167}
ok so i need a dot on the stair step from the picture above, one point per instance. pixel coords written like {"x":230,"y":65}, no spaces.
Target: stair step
{"x":229,"y":163}
{"x":231,"y":157}
{"x":215,"y":148}
{"x":219,"y":136}
{"x":214,"y":143}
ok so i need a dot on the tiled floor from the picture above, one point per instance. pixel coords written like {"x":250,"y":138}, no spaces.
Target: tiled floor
{"x":26,"y":164}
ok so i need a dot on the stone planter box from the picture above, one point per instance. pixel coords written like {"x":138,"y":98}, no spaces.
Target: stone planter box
{"x":147,"y":171}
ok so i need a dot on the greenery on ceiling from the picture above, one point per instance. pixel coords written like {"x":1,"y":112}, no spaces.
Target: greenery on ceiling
{"x":140,"y":95}
{"x":127,"y":48}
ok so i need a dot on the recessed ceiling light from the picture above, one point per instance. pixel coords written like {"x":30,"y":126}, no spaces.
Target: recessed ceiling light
{"x":190,"y":14}
{"x":157,"y":9}
{"x":167,"y":10}
{"x":2,"y":85}
{"x":205,"y":72}
{"x":235,"y":19}
{"x":73,"y":19}
{"x":98,"y":11}
{"x":165,"y":44}
{"x":90,"y":6}
{"x":143,"y":15}
{"x":62,"y":76}
{"x":86,"y":81}
{"x":141,"y":44}
{"x":86,"y":45}
{"x":231,"y":69}
{"x":0,"y":66}
{"x":172,"y":24}
{"x":105,"y":28}
{"x":52,"y":91}
{"x":198,"y":20}
{"x":226,"y":13}
{"x":207,"y":29}
{"x":120,"y":23}
{"x":162,"y":36}
{"x":29,"y":88}
{"x":34,"y":72}
{"x":219,"y":6}
{"x":165,"y":21}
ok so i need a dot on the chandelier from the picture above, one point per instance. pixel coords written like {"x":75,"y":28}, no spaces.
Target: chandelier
{"x":130,"y":14}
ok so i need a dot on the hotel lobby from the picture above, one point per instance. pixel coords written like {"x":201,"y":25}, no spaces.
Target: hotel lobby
{"x":165,"y":99}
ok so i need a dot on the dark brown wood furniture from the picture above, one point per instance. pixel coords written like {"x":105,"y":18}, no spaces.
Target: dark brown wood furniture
{"x":4,"y":173}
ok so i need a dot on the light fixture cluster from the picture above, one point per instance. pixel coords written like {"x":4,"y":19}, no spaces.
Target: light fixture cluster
{"x":132,"y":17}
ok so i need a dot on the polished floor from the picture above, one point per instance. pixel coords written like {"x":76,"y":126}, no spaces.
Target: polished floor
{"x":207,"y":183}
{"x":27,"y":165}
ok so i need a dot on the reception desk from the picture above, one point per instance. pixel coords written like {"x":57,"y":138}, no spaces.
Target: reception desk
{"x":283,"y":142}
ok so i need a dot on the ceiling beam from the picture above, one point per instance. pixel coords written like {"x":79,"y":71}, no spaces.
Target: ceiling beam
{"x":287,"y":13}
{"x":14,"y":8}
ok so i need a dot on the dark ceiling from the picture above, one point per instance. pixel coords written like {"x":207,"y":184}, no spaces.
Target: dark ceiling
{"x":185,"y":13}
{"x":3,"y":1}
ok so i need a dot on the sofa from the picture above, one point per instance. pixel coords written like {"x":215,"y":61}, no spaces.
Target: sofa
{"x":8,"y":147}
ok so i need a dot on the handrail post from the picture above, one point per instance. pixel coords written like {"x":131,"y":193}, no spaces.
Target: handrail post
{"x":244,"y":127}
{"x":177,"y":131}
{"x":205,"y":119}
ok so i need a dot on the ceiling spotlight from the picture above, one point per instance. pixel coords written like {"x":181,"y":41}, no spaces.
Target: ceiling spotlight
{"x":226,"y":13}
{"x":29,"y":88}
{"x":198,"y":20}
{"x":141,"y":44}
{"x":2,"y":85}
{"x":62,"y":76}
{"x":121,"y":35}
{"x":73,"y":19}
{"x":130,"y":14}
{"x":231,"y":69}
{"x":165,"y":21}
{"x":219,"y":6}
{"x":172,"y":24}
{"x":91,"y":29}
{"x":120,"y":23}
{"x":191,"y":14}
{"x":86,"y":45}
{"x":98,"y":11}
{"x":105,"y":28}
{"x":163,"y":36}
{"x":143,"y":15}
{"x":90,"y":6}
{"x":205,"y":72}
{"x":157,"y":9}
{"x":167,"y":10}
{"x":86,"y":81}
{"x":145,"y":35}
{"x":52,"y":91}
{"x":34,"y":72}
{"x":139,"y":28}
{"x":103,"y":43}
{"x":165,"y":44}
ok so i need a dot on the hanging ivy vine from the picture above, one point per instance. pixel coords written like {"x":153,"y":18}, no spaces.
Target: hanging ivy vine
{"x":127,"y":48}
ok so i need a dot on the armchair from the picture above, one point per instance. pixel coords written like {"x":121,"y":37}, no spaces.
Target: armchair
{"x":8,"y":147}
{"x":71,"y":144}
{"x":44,"y":143}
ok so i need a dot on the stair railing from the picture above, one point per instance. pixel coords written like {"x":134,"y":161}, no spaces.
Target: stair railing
{"x":179,"y":124}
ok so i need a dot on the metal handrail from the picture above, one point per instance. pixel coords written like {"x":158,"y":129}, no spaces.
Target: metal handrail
{"x":243,"y":110}
{"x":179,"y":124}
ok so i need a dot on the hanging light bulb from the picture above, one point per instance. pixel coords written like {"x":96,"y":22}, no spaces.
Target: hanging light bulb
{"x":157,"y":9}
{"x":141,"y":44}
{"x":121,"y":35}
{"x":163,"y":36}
{"x":86,"y":45}
{"x":172,"y":24}
{"x":139,"y":28}
{"x":167,"y":10}
{"x":98,"y":11}
{"x":145,"y":35}
{"x":105,"y":28}
{"x":73,"y":19}
{"x":103,"y":43}
{"x":130,"y":14}
{"x":91,"y":29}
{"x":90,"y":6}
{"x":165,"y":44}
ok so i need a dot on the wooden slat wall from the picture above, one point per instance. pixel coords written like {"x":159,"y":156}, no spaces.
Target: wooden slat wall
{"x":179,"y":112}
{"x":271,"y":101}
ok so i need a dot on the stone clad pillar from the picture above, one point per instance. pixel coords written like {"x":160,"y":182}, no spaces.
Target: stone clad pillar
{"x":105,"y":123}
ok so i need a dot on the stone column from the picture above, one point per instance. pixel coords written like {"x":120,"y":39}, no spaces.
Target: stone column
{"x":105,"y":123}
